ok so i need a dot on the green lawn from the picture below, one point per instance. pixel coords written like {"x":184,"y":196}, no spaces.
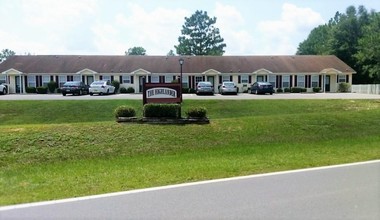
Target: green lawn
{"x":59,"y":149}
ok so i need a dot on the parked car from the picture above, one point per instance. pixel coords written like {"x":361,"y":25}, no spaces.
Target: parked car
{"x":228,"y":87}
{"x":102,"y":87}
{"x":3,"y":89}
{"x":261,"y":88}
{"x":75,"y":88}
{"x":205,"y":88}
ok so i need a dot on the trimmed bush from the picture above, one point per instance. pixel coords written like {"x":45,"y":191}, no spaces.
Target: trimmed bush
{"x":185,"y":90}
{"x":52,"y":86}
{"x":287,"y":90}
{"x":297,"y":90}
{"x":279,"y":90}
{"x":344,"y":87}
{"x":316,"y":89}
{"x":196,"y":112}
{"x":162,"y":110}
{"x":30,"y":90}
{"x":192,"y":91}
{"x":116,"y":84}
{"x":123,"y":90}
{"x":42,"y":90}
{"x":124,"y":111}
{"x":130,"y":90}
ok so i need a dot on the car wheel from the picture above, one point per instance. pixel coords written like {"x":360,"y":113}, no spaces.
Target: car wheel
{"x":64,"y":94}
{"x":91,"y":93}
{"x":108,"y":91}
{"x":271,"y":93}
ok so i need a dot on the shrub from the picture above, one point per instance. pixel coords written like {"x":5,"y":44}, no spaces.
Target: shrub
{"x":316,"y":89}
{"x":124,"y":111}
{"x":52,"y":86}
{"x":185,"y":90}
{"x":130,"y":90}
{"x":30,"y":90}
{"x":123,"y":90}
{"x":344,"y":87}
{"x":192,"y":90}
{"x":296,"y":90}
{"x":197,"y":112}
{"x":162,"y":110}
{"x":116,"y":84}
{"x":279,"y":90}
{"x":287,"y":90}
{"x":42,"y":90}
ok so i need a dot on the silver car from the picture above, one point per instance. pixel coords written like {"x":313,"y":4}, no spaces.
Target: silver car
{"x":101,"y":87}
{"x":228,"y":88}
{"x":205,"y":88}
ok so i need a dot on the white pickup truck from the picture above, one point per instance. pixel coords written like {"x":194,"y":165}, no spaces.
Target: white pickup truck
{"x":3,"y":89}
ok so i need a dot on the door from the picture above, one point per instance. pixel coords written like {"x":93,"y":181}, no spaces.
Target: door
{"x":260,"y":79}
{"x":327,"y":84}
{"x":141,"y":82}
{"x":211,"y":80}
{"x":18,"y":84}
{"x":90,"y":79}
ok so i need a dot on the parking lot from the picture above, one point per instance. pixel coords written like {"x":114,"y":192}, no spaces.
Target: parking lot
{"x":193,"y":96}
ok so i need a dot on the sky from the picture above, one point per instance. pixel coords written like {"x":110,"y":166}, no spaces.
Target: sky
{"x":111,"y":27}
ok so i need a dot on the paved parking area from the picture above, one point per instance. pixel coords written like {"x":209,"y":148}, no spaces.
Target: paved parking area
{"x":194,"y":96}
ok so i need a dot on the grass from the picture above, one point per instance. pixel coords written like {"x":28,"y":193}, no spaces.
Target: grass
{"x":59,"y":149}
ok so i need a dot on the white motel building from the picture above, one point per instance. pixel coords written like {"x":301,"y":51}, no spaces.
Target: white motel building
{"x":310,"y":71}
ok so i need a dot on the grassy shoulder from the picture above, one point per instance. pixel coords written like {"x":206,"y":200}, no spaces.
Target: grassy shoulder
{"x":52,"y":150}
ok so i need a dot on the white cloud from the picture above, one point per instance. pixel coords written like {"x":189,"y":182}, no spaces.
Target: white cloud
{"x":282,"y":36}
{"x":231,"y":24}
{"x":156,"y":31}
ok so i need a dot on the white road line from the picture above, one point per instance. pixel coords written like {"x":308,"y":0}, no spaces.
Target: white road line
{"x":27,"y":205}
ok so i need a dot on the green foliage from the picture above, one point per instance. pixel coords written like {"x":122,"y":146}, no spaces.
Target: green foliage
{"x":344,"y":87}
{"x":316,"y":89}
{"x":200,"y":36}
{"x":287,"y":89}
{"x":280,"y":90}
{"x":130,"y":90}
{"x":123,"y":90}
{"x":352,"y":37}
{"x":52,"y":86}
{"x":136,"y":51}
{"x":42,"y":90}
{"x":162,"y":110}
{"x":31,"y":90}
{"x":124,"y":111}
{"x":5,"y":53}
{"x":116,"y":84}
{"x":196,"y":112}
{"x":297,"y":90}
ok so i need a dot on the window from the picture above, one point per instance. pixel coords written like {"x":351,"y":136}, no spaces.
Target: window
{"x":272,"y":80}
{"x":126,"y":79}
{"x":155,"y":79}
{"x":168,"y":78}
{"x":45,"y":80}
{"x":3,"y":79}
{"x":185,"y":82}
{"x":341,"y":78}
{"x":31,"y":81}
{"x":198,"y":79}
{"x":106,"y":78}
{"x":301,"y":81}
{"x":244,"y":79}
{"x":314,"y":81}
{"x":286,"y":81}
{"x":77,"y":78}
{"x":62,"y":80}
{"x":226,"y":78}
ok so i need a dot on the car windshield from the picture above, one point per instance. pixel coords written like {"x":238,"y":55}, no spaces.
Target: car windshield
{"x":229,"y":84}
{"x":71,"y":84}
{"x":204,"y":84}
{"x":97,"y":83}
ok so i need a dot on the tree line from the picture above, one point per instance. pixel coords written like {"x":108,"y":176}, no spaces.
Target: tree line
{"x":354,"y":37}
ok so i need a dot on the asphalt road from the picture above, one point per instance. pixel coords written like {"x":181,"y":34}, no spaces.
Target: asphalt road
{"x":350,"y":191}
{"x":194,"y":96}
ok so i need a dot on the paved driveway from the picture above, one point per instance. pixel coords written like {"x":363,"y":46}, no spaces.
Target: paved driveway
{"x":193,"y":96}
{"x":350,"y":191}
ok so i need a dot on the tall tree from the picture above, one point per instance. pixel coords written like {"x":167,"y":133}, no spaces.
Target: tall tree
{"x":5,"y":53}
{"x":200,"y":36}
{"x":368,"y":55}
{"x":136,"y":51}
{"x":317,"y":42}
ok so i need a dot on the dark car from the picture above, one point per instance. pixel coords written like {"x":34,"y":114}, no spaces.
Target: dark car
{"x":261,"y":88}
{"x":205,"y":88}
{"x":75,"y":88}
